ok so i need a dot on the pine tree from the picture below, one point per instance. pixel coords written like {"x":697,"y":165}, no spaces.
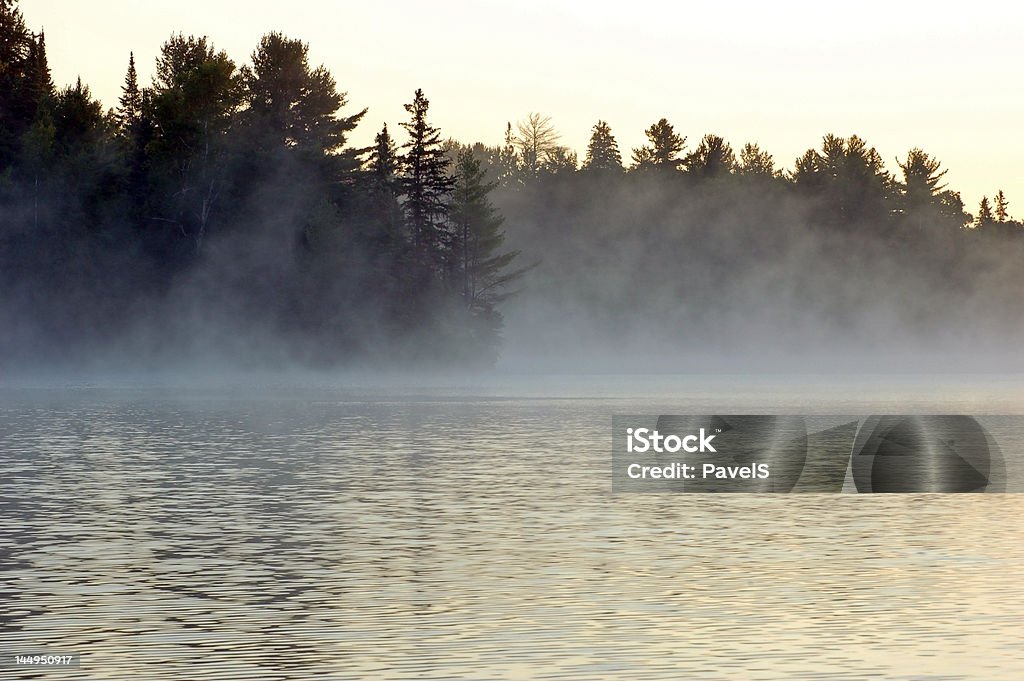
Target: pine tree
{"x":755,"y":163}
{"x":602,"y":150}
{"x":195,"y":93}
{"x":807,"y":172}
{"x":921,"y":195}
{"x":984,"y":218}
{"x":1002,"y":206}
{"x":426,"y":185}
{"x":712,"y":158}
{"x":664,"y":148}
{"x":195,"y":99}
{"x":291,"y":102}
{"x":130,"y":109}
{"x":921,"y":177}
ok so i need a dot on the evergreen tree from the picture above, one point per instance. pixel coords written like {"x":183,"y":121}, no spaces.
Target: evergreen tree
{"x":481,"y":270}
{"x":807,"y":172}
{"x":24,"y":79}
{"x":985,"y":217}
{"x":952,"y":205}
{"x":426,"y":185}
{"x":1002,"y":205}
{"x":866,"y":186}
{"x":79,"y":122}
{"x":39,"y":83}
{"x":851,"y":180}
{"x":384,"y":167}
{"x":602,"y":150}
{"x":292,"y":103}
{"x":384,"y":161}
{"x":921,"y":177}
{"x":712,"y":158}
{"x":508,"y":159}
{"x":663,"y":151}
{"x":130,"y":110}
{"x":195,"y":97}
{"x":14,"y":38}
{"x":755,"y":163}
{"x":922,"y":198}
{"x":561,"y":160}
{"x":83,"y":149}
{"x":195,"y":94}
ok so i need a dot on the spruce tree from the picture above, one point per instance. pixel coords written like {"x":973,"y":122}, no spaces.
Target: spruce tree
{"x":39,"y":84}
{"x":384,"y":167}
{"x":985,"y":217}
{"x":480,"y":269}
{"x":384,"y":161}
{"x":602,"y":151}
{"x":1002,"y":205}
{"x":130,"y":109}
{"x":508,"y":160}
{"x":426,"y":185}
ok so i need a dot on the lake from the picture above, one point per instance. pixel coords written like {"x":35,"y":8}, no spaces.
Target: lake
{"x":439,"y":528}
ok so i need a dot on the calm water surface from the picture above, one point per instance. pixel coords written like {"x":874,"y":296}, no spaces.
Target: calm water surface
{"x":354,"y":531}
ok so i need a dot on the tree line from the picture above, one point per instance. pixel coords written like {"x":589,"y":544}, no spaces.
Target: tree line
{"x":846,"y":173}
{"x":223,"y":205}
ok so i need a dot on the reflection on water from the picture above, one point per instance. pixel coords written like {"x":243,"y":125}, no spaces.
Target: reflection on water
{"x":349,"y":534}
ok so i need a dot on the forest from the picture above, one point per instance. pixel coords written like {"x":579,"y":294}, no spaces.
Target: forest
{"x":221,"y":211}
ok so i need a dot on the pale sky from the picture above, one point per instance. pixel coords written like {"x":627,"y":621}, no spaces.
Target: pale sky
{"x":944,"y":78}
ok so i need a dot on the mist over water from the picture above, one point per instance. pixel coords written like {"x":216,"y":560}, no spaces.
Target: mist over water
{"x":625,"y":278}
{"x":735,"y":275}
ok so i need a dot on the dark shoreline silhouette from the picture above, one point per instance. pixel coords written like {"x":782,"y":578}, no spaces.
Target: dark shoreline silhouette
{"x":221,"y":212}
